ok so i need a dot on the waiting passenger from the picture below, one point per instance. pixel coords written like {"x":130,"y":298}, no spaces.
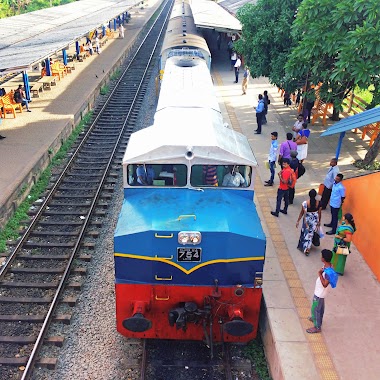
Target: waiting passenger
{"x":233,"y":178}
{"x":145,"y":175}
{"x":210,"y":177}
{"x":19,"y":97}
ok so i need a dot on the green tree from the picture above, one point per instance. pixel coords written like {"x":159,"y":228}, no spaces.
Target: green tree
{"x":266,"y":37}
{"x":338,"y":46}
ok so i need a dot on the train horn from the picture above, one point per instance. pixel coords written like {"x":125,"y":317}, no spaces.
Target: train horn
{"x":138,"y":323}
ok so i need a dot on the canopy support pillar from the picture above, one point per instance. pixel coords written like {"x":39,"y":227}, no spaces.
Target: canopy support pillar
{"x":26,"y":84}
{"x":47,"y":66}
{"x":341,"y":137}
{"x":77,"y":48}
{"x":64,"y":56}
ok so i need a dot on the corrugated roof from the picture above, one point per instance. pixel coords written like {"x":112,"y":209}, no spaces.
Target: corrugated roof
{"x":31,"y":37}
{"x":234,"y":5}
{"x":355,"y":121}
{"x":208,"y":14}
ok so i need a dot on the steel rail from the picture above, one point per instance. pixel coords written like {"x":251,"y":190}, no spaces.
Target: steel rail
{"x":39,"y":341}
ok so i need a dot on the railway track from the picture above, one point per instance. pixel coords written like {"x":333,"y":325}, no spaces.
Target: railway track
{"x":46,"y":267}
{"x":187,"y":360}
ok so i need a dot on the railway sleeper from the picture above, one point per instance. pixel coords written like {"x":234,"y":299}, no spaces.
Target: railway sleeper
{"x":71,"y":301}
{"x":49,"y":363}
{"x":68,"y":212}
{"x":41,"y":285}
{"x":94,"y":223}
{"x":59,"y":318}
{"x":21,"y":339}
{"x":82,"y":257}
{"x":93,"y":234}
{"x":79,"y":270}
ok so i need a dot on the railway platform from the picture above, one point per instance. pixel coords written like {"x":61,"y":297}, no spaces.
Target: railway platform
{"x":348,"y":347}
{"x":32,"y":137}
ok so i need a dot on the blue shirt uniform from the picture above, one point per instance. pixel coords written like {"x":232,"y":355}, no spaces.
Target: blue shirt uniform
{"x":338,"y":192}
{"x":273,"y":151}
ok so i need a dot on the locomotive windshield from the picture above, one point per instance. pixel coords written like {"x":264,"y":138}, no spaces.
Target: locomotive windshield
{"x":221,"y":175}
{"x":157,"y":175}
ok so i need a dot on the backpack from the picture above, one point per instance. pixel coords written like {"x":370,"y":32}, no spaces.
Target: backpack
{"x":17,"y":96}
{"x":301,"y":170}
{"x":292,"y":179}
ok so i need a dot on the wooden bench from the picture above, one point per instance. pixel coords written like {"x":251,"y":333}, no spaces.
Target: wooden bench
{"x":320,"y":110}
{"x":36,"y":89}
{"x":8,"y":104}
{"x":372,"y":131}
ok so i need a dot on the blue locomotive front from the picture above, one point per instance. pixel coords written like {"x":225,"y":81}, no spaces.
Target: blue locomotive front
{"x":189,"y":246}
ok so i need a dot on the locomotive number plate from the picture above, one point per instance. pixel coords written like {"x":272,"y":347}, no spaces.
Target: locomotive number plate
{"x":189,"y":254}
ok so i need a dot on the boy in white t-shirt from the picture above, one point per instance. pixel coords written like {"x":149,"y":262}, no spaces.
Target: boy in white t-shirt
{"x":325,"y":275}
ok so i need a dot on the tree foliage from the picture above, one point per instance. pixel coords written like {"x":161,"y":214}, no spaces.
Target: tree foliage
{"x":10,"y":8}
{"x":338,"y":46}
{"x":266,"y":39}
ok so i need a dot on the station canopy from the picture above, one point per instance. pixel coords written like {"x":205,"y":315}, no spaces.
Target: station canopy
{"x":233,"y":5}
{"x":208,"y":14}
{"x":355,"y":121}
{"x":31,"y":37}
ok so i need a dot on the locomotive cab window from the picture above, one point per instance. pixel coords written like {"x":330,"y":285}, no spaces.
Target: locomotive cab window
{"x":157,"y":175}
{"x":221,"y":175}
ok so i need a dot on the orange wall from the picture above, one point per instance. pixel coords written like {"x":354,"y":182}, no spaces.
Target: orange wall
{"x":363,"y":202}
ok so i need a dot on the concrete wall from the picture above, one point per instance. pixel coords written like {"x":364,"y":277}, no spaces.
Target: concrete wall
{"x":363,"y":202}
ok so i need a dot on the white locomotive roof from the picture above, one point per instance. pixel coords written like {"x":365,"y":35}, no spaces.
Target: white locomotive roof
{"x":180,"y":24}
{"x":189,"y":86}
{"x":188,"y":118}
{"x":170,"y":142}
{"x":208,"y":14}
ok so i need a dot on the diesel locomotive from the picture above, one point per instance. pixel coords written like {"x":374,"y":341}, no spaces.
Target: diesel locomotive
{"x":189,"y":247}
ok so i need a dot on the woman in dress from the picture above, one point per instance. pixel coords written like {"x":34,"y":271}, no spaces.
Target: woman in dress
{"x":302,"y":142}
{"x":343,"y":236}
{"x":311,"y":214}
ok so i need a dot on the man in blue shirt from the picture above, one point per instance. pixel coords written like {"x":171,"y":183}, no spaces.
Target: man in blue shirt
{"x":338,"y":194}
{"x":259,"y":114}
{"x":145,"y":175}
{"x":328,"y":182}
{"x":272,"y":157}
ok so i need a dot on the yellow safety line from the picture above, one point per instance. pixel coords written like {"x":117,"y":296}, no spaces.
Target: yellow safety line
{"x":166,"y":261}
{"x":301,"y":301}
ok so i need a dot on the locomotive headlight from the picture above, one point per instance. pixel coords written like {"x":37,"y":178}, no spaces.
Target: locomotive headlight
{"x":189,"y":237}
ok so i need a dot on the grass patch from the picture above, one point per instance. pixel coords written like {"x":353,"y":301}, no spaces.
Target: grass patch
{"x":104,"y":90}
{"x":12,"y":228}
{"x":374,"y":166}
{"x":116,"y":74}
{"x":255,"y":352}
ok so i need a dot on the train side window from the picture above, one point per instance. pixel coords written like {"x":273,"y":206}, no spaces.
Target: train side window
{"x":157,"y":175}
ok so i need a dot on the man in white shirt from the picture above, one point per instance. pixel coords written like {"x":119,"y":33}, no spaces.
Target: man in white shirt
{"x":320,"y":292}
{"x":233,"y":178}
{"x":272,"y":157}
{"x":297,"y":126}
{"x":237,"y":68}
{"x":328,"y":182}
